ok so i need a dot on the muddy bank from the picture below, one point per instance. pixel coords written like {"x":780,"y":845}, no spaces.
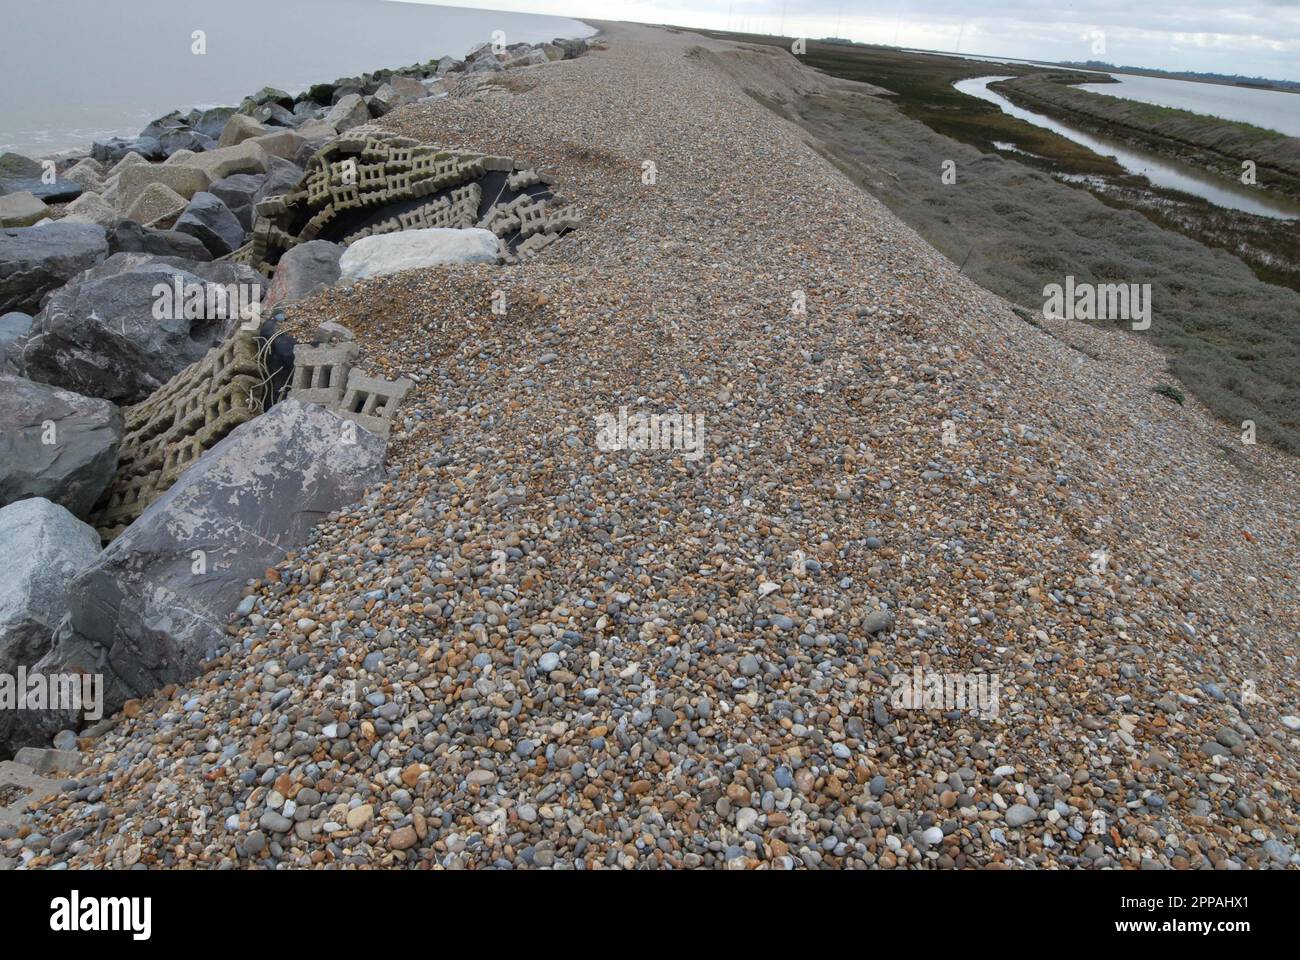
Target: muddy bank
{"x":1217,"y":145}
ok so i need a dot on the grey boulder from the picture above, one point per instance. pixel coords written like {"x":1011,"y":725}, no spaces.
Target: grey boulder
{"x":154,"y":604}
{"x":20,"y":174}
{"x":127,"y":236}
{"x":282,"y":177}
{"x":55,"y":444}
{"x":211,"y":122}
{"x":113,"y":150}
{"x":116,"y":332}
{"x":13,"y":326}
{"x":183,"y":138}
{"x":303,"y":270}
{"x":237,"y":192}
{"x":36,"y":260}
{"x":350,"y":111}
{"x":210,"y":221}
{"x":386,"y":253}
{"x":47,"y":547}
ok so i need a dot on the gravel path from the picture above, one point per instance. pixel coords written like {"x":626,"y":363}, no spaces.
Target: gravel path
{"x":526,"y":650}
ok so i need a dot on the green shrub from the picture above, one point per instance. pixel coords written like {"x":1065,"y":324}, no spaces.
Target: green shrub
{"x":1170,"y":391}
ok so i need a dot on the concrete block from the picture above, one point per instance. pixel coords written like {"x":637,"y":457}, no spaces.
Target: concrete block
{"x":47,"y":761}
{"x":245,"y":157}
{"x":321,"y":373}
{"x":372,"y":401}
{"x":20,"y":787}
{"x":21,"y":209}
{"x":158,"y":206}
{"x":185,"y":181}
{"x":281,"y":143}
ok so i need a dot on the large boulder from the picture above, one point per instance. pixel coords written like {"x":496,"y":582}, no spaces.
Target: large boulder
{"x":15,"y":166}
{"x":90,"y":208}
{"x":528,"y":58}
{"x":573,"y":47}
{"x":111,"y":151}
{"x":20,"y":174}
{"x":180,"y":156}
{"x":407,"y":88}
{"x":55,"y":444}
{"x":238,"y":194}
{"x":55,"y":190}
{"x":303,"y":270}
{"x":413,"y":249}
{"x":314,"y":132}
{"x":125,"y":162}
{"x":186,"y":181}
{"x":46,"y":548}
{"x":171,"y":121}
{"x":117,"y":331}
{"x":484,"y":64}
{"x":210,"y":221}
{"x":127,"y":236}
{"x":13,"y":326}
{"x":154,"y":604}
{"x":273,"y":116}
{"x":183,"y":139}
{"x":36,"y":260}
{"x":246,"y":157}
{"x":351,"y":111}
{"x":284,"y":177}
{"x":212,"y":122}
{"x":21,"y":209}
{"x":272,"y":95}
{"x":321,"y":94}
{"x":386,"y":98}
{"x":157,"y":206}
{"x":88,"y":173}
{"x":284,"y":144}
{"x":238,"y":129}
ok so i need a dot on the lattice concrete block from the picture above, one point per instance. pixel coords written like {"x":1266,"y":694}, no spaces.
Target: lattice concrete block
{"x":532,"y":244}
{"x":350,"y":181}
{"x":525,"y":178}
{"x":320,"y":373}
{"x":183,"y":418}
{"x":372,"y":401}
{"x":532,"y":218}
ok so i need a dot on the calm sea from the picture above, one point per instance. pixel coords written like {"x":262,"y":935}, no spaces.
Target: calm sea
{"x":77,"y":70}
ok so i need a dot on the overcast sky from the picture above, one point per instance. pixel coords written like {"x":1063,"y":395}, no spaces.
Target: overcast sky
{"x":1252,"y":37}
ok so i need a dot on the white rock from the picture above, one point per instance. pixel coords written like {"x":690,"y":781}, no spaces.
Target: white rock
{"x":413,"y":249}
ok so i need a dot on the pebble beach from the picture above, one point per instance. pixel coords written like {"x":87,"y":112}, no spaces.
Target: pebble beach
{"x":525,"y":650}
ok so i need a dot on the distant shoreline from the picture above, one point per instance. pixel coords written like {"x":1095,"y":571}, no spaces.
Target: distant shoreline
{"x":119,"y":88}
{"x":1278,"y":86}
